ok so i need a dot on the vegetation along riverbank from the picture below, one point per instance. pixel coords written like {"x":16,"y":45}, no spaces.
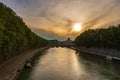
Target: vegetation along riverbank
{"x":103,"y":41}
{"x":15,"y":35}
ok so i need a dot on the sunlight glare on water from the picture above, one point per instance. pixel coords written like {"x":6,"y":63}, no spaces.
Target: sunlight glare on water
{"x":65,"y":64}
{"x":59,"y":63}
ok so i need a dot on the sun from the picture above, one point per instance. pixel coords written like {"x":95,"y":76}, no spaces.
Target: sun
{"x":77,"y":27}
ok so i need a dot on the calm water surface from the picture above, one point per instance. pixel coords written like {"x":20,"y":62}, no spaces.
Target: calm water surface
{"x":66,"y":64}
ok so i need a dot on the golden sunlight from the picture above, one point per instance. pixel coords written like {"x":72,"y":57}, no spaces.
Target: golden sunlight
{"x":77,"y":27}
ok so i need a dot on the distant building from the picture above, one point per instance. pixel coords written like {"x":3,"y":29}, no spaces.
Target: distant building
{"x":68,"y":42}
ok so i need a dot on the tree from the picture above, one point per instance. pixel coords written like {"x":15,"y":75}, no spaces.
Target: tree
{"x":15,"y":36}
{"x":100,"y":38}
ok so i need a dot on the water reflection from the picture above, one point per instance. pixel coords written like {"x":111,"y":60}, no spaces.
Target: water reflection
{"x":65,"y":64}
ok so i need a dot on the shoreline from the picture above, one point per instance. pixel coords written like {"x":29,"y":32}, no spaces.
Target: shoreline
{"x":23,"y":75}
{"x":110,"y":55}
{"x":11,"y":69}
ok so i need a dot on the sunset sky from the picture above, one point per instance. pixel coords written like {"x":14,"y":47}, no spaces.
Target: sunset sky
{"x":54,"y":19}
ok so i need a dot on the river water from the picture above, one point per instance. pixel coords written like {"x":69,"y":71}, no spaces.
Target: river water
{"x":67,"y":64}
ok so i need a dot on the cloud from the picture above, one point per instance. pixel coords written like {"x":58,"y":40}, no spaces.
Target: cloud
{"x":56,"y":17}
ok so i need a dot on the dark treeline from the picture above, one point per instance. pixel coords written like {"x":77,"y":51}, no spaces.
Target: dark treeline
{"x":15,"y":36}
{"x":100,"y":38}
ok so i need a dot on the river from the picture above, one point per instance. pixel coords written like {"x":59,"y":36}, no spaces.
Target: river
{"x":67,"y":64}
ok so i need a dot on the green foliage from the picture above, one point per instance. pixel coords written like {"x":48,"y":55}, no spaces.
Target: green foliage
{"x":15,"y":36}
{"x":100,"y":38}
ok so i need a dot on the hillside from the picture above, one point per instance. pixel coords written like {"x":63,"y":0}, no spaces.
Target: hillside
{"x":15,"y":36}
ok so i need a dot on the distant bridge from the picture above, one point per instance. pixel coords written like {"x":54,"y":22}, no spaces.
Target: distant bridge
{"x":56,"y":43}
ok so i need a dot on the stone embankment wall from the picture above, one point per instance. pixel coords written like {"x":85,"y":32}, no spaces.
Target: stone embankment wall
{"x":108,"y":53}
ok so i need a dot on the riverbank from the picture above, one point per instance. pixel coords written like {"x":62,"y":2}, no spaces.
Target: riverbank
{"x":10,"y":69}
{"x":61,"y":63}
{"x":109,"y":54}
{"x":24,"y":74}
